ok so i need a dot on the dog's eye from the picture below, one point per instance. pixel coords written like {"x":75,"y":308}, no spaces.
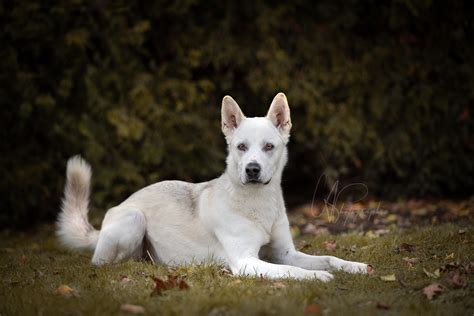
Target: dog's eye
{"x":268,"y":147}
{"x":242,"y":147}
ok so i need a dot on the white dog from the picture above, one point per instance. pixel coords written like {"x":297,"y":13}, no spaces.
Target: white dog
{"x":232,"y":219}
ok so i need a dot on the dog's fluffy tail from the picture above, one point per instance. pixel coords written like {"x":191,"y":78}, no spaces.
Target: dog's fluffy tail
{"x":73,"y":227}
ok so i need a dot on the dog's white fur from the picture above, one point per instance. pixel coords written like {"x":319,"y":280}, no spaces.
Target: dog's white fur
{"x":232,"y":219}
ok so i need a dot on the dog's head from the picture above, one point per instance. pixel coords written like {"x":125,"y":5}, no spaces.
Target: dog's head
{"x":257,"y":145}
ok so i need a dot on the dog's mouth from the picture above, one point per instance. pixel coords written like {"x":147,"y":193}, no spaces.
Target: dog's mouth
{"x":257,"y":181}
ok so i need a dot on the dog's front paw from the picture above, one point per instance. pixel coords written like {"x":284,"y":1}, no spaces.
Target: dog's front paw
{"x":323,"y":276}
{"x":357,"y":267}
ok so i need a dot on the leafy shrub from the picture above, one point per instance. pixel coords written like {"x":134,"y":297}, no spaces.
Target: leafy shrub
{"x":381,"y":93}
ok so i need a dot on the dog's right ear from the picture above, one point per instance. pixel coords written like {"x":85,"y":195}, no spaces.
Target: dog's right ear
{"x":232,"y":116}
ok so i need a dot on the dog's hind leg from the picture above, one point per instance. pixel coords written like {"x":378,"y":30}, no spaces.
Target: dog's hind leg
{"x":121,"y":237}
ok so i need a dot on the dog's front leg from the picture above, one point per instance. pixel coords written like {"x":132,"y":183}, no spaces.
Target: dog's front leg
{"x":329,"y":263}
{"x":284,"y":252}
{"x":255,"y":267}
{"x":242,"y":252}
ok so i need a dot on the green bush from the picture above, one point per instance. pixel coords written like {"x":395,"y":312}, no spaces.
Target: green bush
{"x":379,"y":93}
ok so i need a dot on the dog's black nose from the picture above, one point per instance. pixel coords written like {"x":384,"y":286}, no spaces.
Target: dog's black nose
{"x":253,"y":171}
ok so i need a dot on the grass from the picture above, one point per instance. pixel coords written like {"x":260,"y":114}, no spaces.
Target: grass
{"x":33,"y":267}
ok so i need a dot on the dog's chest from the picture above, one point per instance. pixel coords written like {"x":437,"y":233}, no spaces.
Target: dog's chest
{"x":262,"y":214}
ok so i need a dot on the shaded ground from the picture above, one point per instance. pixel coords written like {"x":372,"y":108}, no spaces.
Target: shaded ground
{"x":375,"y":218}
{"x":37,"y":277}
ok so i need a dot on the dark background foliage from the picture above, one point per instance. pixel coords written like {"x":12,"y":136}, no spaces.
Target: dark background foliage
{"x":381,"y":92}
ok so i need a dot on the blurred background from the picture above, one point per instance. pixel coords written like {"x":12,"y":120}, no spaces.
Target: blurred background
{"x":381,"y":93}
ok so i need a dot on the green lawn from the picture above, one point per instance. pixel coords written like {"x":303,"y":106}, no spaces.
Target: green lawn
{"x":33,"y":267}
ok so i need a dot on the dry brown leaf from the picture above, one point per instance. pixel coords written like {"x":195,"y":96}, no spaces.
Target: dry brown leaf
{"x":312,"y":309}
{"x":432,"y":290}
{"x":164,"y":285}
{"x":381,"y":305}
{"x":411,"y":260}
{"x":470,"y":267}
{"x":407,"y":247}
{"x":450,"y":266}
{"x":370,"y":269}
{"x":65,"y":290}
{"x":330,"y":245}
{"x":314,"y":229}
{"x":134,"y":309}
{"x":381,"y":231}
{"x":24,"y":259}
{"x":455,"y":279}
{"x":125,"y":279}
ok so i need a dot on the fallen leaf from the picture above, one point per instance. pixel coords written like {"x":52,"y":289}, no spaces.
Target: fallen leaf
{"x":455,"y":279}
{"x":134,"y":309}
{"x":370,"y":269}
{"x":411,"y":260}
{"x":65,"y":290}
{"x":311,"y":229}
{"x":125,"y":279}
{"x":407,"y":247}
{"x":432,"y":290}
{"x":433,"y":275}
{"x":312,"y":309}
{"x":278,"y":285}
{"x":450,"y":256}
{"x":470,"y":267}
{"x":388,"y":278}
{"x":381,"y":305}
{"x":450,"y":266}
{"x":170,"y":283}
{"x":381,"y":231}
{"x":24,"y":259}
{"x":330,"y":245}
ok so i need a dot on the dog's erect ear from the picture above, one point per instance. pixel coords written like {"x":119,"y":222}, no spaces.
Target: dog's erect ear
{"x":232,"y":116}
{"x":279,"y":114}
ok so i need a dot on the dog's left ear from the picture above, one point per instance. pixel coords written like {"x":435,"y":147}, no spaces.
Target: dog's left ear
{"x":279,"y":114}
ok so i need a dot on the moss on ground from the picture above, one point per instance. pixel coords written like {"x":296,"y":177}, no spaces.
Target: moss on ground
{"x":33,"y":267}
